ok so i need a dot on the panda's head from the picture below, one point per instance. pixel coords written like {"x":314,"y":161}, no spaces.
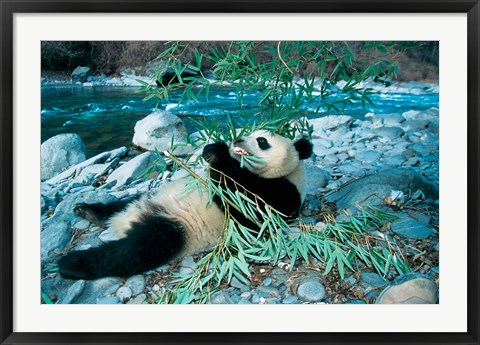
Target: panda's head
{"x":280,"y":156}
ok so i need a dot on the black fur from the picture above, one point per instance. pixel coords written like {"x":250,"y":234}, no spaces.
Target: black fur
{"x":279,"y":193}
{"x":304,"y":148}
{"x":150,"y":243}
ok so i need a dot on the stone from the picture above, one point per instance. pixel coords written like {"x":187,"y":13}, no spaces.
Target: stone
{"x":76,"y":169}
{"x":220,"y":297}
{"x":331,"y":122}
{"x":311,"y":291}
{"x":108,"y":235}
{"x":133,"y":169}
{"x":412,"y":288}
{"x":368,"y":156}
{"x":290,"y":299}
{"x":351,"y":170}
{"x":136,"y":284}
{"x":315,"y":178}
{"x":239,"y":285}
{"x":188,"y":262}
{"x":74,"y":292}
{"x":410,"y":228}
{"x":82,"y":224}
{"x":267,"y":281}
{"x":59,"y":153}
{"x":109,"y":300}
{"x":124,"y":294}
{"x":155,"y":132}
{"x":372,"y":279}
{"x":138,"y":299}
{"x":390,"y":132}
{"x":394,"y":161}
{"x":81,"y":74}
{"x":268,"y":291}
{"x":54,"y":237}
{"x":388,"y":119}
{"x":370,"y":189}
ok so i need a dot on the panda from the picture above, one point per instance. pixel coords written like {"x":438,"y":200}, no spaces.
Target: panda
{"x":172,"y":223}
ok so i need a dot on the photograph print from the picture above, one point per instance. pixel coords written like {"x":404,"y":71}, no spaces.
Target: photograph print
{"x":240,"y":172}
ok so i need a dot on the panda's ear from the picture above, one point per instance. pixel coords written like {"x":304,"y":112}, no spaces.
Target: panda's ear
{"x":304,"y":148}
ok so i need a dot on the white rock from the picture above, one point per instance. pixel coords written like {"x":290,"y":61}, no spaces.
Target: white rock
{"x":61,"y":152}
{"x":132,"y":169}
{"x":157,"y":130}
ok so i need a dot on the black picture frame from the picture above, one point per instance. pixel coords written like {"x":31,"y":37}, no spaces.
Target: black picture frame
{"x":9,"y":7}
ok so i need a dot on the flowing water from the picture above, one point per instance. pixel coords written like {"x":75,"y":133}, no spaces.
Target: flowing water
{"x":105,"y":116}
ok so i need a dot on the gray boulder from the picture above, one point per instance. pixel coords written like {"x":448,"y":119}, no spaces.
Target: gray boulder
{"x":370,"y":189}
{"x":155,"y":132}
{"x":315,"y":178}
{"x":81,"y":74}
{"x":60,"y":152}
{"x":132,"y":169}
{"x":412,"y":288}
{"x":331,"y":122}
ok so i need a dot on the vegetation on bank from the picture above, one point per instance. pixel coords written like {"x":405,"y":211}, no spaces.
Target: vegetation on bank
{"x":113,"y":57}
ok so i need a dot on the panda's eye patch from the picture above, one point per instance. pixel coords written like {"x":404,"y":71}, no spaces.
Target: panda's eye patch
{"x":263,"y":143}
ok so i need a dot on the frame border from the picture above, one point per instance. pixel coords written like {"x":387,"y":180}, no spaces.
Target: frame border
{"x":9,"y":7}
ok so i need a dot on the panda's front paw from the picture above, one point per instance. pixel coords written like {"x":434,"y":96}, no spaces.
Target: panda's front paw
{"x":214,"y":153}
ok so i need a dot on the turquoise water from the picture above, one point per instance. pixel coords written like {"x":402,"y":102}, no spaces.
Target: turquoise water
{"x":105,"y":116}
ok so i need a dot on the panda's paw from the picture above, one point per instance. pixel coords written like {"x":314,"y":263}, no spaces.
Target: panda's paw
{"x":89,"y":213}
{"x":215,"y":153}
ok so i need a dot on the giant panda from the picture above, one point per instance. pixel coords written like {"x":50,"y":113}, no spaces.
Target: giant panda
{"x":172,"y":223}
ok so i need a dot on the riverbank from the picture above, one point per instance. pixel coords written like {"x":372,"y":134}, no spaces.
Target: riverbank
{"x":387,"y":160}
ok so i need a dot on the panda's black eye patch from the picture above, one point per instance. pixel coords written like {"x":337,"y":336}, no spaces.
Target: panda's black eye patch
{"x":263,"y":143}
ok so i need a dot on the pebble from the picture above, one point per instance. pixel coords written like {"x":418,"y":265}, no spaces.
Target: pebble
{"x":290,"y":299}
{"x":372,"y":279}
{"x":268,"y":291}
{"x":311,"y":291}
{"x":108,"y":235}
{"x":368,"y":156}
{"x":82,"y":224}
{"x":124,"y":293}
{"x":410,"y":228}
{"x":239,"y":285}
{"x":220,"y":297}
{"x":138,"y":299}
{"x":74,"y":292}
{"x":109,"y":300}
{"x":136,"y":284}
{"x":267,"y":281}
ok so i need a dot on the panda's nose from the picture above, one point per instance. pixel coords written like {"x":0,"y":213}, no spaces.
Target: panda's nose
{"x":238,"y":141}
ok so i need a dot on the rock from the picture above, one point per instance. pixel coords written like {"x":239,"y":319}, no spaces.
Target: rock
{"x":82,"y":224}
{"x":60,"y":152}
{"x":80,"y":74}
{"x":138,"y":299}
{"x":108,"y":235}
{"x":136,"y":284}
{"x":267,"y":281}
{"x":109,"y":300}
{"x":351,"y":170}
{"x":369,"y":189}
{"x":315,"y":178}
{"x":410,"y":228}
{"x":220,"y":297}
{"x":394,"y":161}
{"x":133,"y":169}
{"x":368,"y":156}
{"x":157,"y":130}
{"x":268,"y":291}
{"x":290,"y":299}
{"x":55,"y":237}
{"x":311,"y":291}
{"x":388,"y":119}
{"x":372,"y":279}
{"x":73,"y":292}
{"x":124,"y":294}
{"x":390,"y":132}
{"x":331,"y":122}
{"x":77,"y":169}
{"x":412,"y":288}
{"x":415,"y":124}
